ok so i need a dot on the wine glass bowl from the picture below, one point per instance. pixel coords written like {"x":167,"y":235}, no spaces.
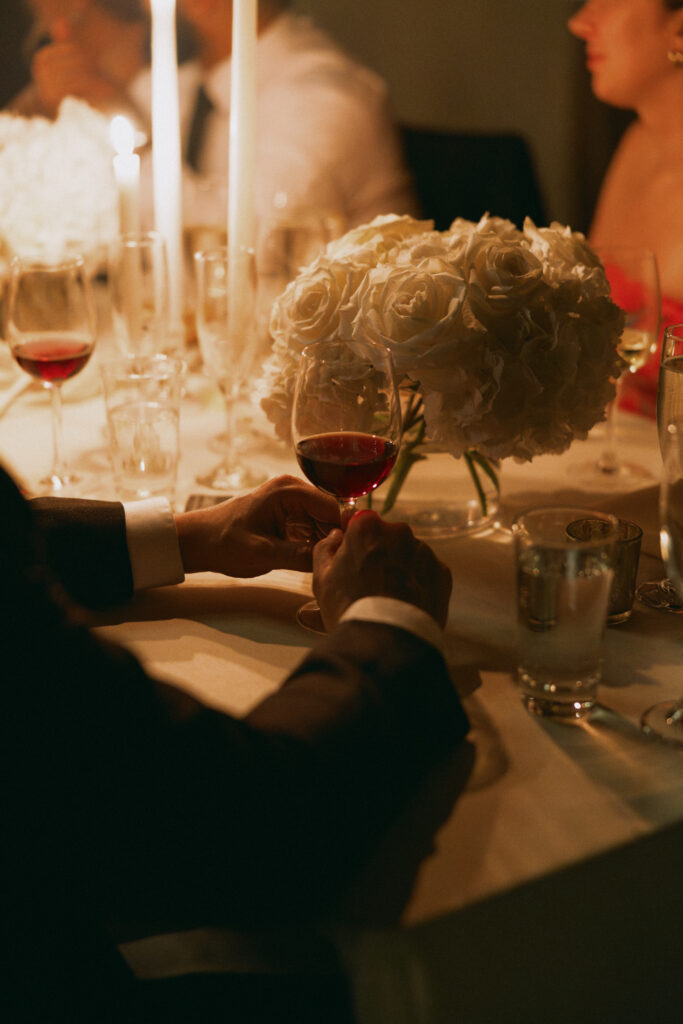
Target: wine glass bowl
{"x":663,"y":594}
{"x":230,"y":345}
{"x":138,"y":282}
{"x":346,"y":423}
{"x":51,"y":334}
{"x":634,"y":284}
{"x":665,"y":719}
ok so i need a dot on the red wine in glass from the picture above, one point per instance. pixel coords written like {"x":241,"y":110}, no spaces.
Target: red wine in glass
{"x":346,"y":426}
{"x":53,"y":359}
{"x":51,"y":332}
{"x":346,"y":464}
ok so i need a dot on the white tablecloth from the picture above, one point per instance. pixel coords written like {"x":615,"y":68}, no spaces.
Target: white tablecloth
{"x":540,"y":797}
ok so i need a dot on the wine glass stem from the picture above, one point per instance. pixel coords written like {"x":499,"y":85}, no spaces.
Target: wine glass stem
{"x":58,"y":464}
{"x":230,"y":393}
{"x":346,"y":510}
{"x":609,"y":461}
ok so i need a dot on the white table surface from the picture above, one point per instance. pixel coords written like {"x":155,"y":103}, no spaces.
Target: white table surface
{"x":540,"y":797}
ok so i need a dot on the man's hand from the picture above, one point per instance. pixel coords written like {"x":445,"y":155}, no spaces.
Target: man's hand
{"x":373,"y":558}
{"x":62,"y":68}
{"x":273,"y":527}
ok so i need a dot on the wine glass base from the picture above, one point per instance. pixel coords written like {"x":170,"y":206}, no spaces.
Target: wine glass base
{"x":605,"y":477}
{"x":308,"y":616}
{"x":239,"y":478}
{"x":56,"y":486}
{"x":660,"y":595}
{"x":665,"y":721}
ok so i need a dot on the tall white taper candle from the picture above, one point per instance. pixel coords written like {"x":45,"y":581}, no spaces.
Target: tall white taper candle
{"x":242,"y":132}
{"x":166,"y":153}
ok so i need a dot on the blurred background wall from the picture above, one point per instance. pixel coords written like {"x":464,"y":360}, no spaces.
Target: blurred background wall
{"x":464,"y":66}
{"x":490,"y":66}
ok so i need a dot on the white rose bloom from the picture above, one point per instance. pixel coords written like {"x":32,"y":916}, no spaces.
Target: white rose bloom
{"x":510,"y":337}
{"x":376,"y":240}
{"x":58,"y":182}
{"x":502,"y":277}
{"x":402,"y":306}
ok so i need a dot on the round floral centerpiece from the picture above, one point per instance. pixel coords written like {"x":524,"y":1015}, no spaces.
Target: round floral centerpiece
{"x":505,"y":340}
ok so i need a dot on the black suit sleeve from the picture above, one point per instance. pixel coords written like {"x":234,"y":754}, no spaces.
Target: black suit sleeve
{"x":120,"y":815}
{"x":85,"y":547}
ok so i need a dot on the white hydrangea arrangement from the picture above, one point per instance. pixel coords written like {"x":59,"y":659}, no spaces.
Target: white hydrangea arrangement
{"x":506,"y":338}
{"x":58,"y":186}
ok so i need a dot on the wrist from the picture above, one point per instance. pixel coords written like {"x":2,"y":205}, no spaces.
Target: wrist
{"x":189,"y":541}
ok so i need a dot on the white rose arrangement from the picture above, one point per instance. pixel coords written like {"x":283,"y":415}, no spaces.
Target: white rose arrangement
{"x":58,"y":186}
{"x":505,"y":339}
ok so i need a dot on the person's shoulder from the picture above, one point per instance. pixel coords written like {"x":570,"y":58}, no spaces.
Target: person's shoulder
{"x":306,"y":55}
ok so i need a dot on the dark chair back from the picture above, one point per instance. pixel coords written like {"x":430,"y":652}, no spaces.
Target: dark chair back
{"x":466,"y":175}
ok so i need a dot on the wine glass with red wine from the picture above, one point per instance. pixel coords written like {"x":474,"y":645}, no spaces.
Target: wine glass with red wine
{"x":346,"y":426}
{"x":51,"y":333}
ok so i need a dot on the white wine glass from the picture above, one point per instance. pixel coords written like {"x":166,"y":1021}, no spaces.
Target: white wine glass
{"x":346,"y":426}
{"x":663,"y":594}
{"x":51,"y":333}
{"x":634,"y":284}
{"x":138,"y":282}
{"x":665,"y":719}
{"x":231,"y":348}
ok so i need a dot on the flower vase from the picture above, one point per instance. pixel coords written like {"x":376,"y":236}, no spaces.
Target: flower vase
{"x":439,"y":497}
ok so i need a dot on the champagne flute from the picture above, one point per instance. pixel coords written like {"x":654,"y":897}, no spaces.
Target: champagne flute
{"x":346,"y":425}
{"x":51,"y":333}
{"x":634,"y":283}
{"x":663,"y":594}
{"x":138,"y":281}
{"x":665,"y":719}
{"x":230,"y":345}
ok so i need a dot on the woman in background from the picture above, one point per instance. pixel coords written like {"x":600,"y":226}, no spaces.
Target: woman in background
{"x":634,"y":53}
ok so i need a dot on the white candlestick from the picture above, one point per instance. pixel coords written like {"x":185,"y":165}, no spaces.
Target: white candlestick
{"x":127,"y":174}
{"x":242,"y":126}
{"x":166,"y":153}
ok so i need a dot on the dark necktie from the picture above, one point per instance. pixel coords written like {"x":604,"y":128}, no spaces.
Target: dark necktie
{"x":202,"y":108}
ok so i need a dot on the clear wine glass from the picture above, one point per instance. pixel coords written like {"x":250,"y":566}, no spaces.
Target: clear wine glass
{"x":231,"y":347}
{"x":346,"y":426}
{"x":665,"y":719}
{"x":663,"y":594}
{"x":51,"y":333}
{"x":634,"y":282}
{"x":138,"y":283}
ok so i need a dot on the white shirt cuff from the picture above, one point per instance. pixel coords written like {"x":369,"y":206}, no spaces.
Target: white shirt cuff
{"x":392,"y":612}
{"x":153,"y":544}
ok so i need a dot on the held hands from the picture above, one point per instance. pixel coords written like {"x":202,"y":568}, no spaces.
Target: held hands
{"x":63,"y":68}
{"x":373,"y":558}
{"x":275,"y":526}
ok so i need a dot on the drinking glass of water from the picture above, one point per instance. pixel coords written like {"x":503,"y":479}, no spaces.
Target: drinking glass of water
{"x":563,"y":588}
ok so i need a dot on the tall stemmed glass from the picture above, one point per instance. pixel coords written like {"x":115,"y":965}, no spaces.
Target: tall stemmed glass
{"x":346,"y":425}
{"x":231,"y":347}
{"x":51,"y":333}
{"x":666,"y":718}
{"x":634,"y":282}
{"x":663,"y":594}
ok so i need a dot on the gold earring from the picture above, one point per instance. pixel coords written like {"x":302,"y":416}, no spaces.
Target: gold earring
{"x":675,"y":56}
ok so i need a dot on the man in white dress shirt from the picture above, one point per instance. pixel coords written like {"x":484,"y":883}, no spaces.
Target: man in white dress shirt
{"x":324,"y":133}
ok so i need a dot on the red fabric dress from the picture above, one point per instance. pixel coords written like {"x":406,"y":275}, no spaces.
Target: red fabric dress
{"x":639,"y":390}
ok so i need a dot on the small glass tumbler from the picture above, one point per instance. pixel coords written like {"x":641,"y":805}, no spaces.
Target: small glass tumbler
{"x":142,"y":397}
{"x":563,"y":590}
{"x":626,"y":558}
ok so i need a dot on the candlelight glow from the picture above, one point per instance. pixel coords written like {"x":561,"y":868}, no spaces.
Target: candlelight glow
{"x":122,"y":135}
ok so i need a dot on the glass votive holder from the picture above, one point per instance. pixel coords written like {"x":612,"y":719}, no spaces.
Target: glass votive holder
{"x":626,"y":558}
